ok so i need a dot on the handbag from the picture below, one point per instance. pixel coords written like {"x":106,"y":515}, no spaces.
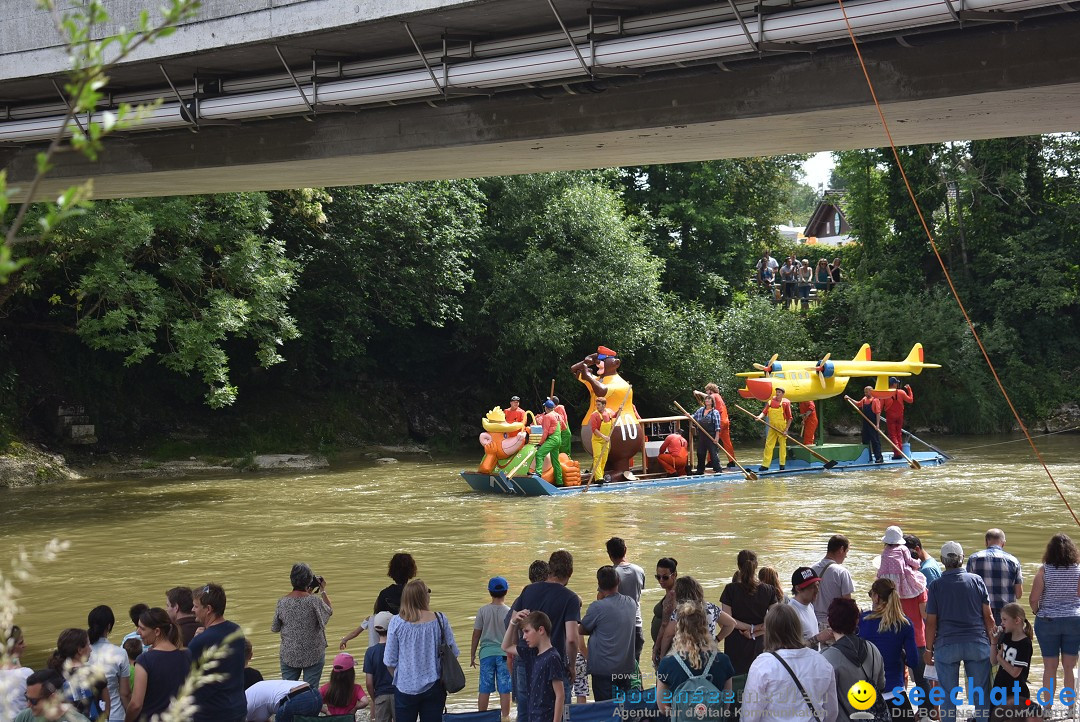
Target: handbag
{"x":805,"y":696}
{"x":451,"y":674}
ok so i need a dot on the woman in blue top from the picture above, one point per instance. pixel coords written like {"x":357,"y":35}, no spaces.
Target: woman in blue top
{"x":892,"y":633}
{"x":412,"y":656}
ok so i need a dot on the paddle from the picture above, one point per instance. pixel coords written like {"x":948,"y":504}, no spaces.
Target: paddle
{"x":911,"y":462}
{"x":607,"y":441}
{"x":750,"y":476}
{"x":928,"y":445}
{"x":829,"y":463}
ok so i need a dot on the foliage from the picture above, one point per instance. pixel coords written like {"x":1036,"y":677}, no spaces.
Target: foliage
{"x":175,"y":279}
{"x":709,"y":219}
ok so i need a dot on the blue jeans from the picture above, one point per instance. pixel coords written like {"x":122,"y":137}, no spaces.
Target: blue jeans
{"x":312,"y":675}
{"x":426,"y":706}
{"x":521,"y":687}
{"x":305,"y":703}
{"x":976,"y":659}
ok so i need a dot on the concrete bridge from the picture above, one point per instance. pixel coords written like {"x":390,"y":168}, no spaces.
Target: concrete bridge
{"x":278,"y":94}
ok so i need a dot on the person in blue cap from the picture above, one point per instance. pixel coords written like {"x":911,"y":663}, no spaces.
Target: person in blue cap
{"x":488,"y":632}
{"x":550,"y":441}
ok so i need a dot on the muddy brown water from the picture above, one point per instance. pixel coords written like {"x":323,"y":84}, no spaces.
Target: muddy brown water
{"x":132,"y":540}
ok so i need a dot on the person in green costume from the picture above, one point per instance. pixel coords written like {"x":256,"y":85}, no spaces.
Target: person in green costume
{"x":564,"y":426}
{"x":550,"y":442}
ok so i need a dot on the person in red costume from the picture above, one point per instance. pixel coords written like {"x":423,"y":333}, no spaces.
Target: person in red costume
{"x":808,"y":412}
{"x":515,"y":414}
{"x":725,"y":422}
{"x":893,"y":406}
{"x":672,"y":455}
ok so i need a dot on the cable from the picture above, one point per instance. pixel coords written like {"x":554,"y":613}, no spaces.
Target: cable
{"x":944,"y":268}
{"x":1013,"y":441}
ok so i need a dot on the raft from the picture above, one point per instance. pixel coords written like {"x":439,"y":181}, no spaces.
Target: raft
{"x":532,"y":485}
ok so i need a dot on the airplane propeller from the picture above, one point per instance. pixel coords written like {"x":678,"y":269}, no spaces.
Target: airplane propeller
{"x":822,"y":366}
{"x":768,"y":368}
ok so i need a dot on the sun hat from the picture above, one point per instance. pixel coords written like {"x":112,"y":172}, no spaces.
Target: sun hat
{"x":893,"y":535}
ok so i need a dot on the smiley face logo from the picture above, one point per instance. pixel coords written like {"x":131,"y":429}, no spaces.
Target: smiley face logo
{"x":862,"y":695}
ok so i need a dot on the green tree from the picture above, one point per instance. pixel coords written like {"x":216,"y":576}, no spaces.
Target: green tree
{"x":173,"y":279}
{"x":710,"y":219}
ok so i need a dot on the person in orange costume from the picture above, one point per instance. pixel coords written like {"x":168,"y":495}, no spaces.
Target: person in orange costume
{"x":725,"y":423}
{"x":808,"y":412}
{"x":893,"y":406}
{"x":672,"y":455}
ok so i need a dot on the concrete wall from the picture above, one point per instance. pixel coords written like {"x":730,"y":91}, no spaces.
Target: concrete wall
{"x":29,"y":44}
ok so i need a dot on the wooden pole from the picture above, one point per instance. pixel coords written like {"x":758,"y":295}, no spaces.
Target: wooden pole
{"x":552,"y":392}
{"x":750,"y":476}
{"x":829,"y":463}
{"x":911,"y":462}
{"x":607,"y":442}
{"x":532,"y":452}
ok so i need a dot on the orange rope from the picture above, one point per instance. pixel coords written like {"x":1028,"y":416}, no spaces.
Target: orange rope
{"x":945,"y":270}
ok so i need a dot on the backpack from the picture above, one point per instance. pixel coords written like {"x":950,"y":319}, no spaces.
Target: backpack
{"x":697,"y":698}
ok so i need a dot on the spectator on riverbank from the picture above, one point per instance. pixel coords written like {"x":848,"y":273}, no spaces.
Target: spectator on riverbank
{"x":89,"y":695}
{"x":563,"y":609}
{"x":747,"y":600}
{"x":928,"y":566}
{"x":610,"y":625}
{"x":41,"y":691}
{"x":853,"y":658}
{"x":110,"y":659}
{"x":489,"y":628}
{"x":666,"y":575}
{"x":688,"y":589}
{"x":301,"y":618}
{"x":377,"y":678}
{"x":1000,"y":572}
{"x":771,"y":691}
{"x":251,"y":675}
{"x":161,"y":670}
{"x":222,"y":700}
{"x":836,"y":580}
{"x":691,"y":650}
{"x":631,"y":584}
{"x":401,"y":569}
{"x":178,"y":605}
{"x":412,"y":656}
{"x":959,"y":628}
{"x":1055,"y":602}
{"x":134,"y":613}
{"x":890,"y":630}
{"x":12,"y":674}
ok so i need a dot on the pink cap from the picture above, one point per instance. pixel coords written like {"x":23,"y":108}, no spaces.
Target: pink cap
{"x":343,"y":662}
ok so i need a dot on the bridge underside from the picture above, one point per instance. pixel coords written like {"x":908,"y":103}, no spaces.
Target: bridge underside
{"x":989,"y":82}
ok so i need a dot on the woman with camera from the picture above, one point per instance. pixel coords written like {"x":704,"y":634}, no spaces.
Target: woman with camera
{"x":301,"y":619}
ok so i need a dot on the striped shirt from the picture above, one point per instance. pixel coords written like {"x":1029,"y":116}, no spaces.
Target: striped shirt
{"x":1059,"y":597}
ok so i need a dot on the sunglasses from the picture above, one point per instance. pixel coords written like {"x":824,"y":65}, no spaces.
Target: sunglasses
{"x":663,"y":577}
{"x":32,"y":700}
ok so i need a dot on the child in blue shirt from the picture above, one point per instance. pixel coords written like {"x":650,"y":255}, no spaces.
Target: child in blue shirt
{"x":546,"y":669}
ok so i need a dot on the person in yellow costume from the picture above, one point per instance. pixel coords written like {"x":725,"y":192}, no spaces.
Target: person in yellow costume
{"x":600,"y":423}
{"x":777,"y":414}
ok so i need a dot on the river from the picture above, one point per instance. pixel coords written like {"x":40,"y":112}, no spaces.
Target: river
{"x":132,"y":540}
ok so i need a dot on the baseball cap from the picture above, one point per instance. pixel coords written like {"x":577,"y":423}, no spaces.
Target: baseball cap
{"x":515,"y":398}
{"x":894,"y":380}
{"x":804,"y":577}
{"x":343,"y":662}
{"x":381,"y":622}
{"x":498,"y":585}
{"x":549,"y":404}
{"x":952,"y":549}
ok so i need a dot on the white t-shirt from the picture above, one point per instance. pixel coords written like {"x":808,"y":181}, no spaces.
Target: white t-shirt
{"x":13,"y":691}
{"x":771,"y":694}
{"x":263,"y":697}
{"x":835,"y":582}
{"x":115,"y":665}
{"x":806,"y":616}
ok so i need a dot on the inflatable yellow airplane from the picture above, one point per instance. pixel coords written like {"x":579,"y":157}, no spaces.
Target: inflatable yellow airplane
{"x":812,"y":380}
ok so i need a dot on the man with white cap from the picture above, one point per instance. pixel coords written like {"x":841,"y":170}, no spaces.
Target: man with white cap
{"x":959,"y":628}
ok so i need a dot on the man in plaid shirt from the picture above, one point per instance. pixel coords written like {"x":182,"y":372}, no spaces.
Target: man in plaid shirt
{"x":1000,"y":571}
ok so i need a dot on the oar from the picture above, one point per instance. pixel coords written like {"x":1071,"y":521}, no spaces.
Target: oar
{"x":911,"y":462}
{"x":607,"y":442}
{"x":928,"y":445}
{"x":750,"y":476}
{"x":829,"y":463}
